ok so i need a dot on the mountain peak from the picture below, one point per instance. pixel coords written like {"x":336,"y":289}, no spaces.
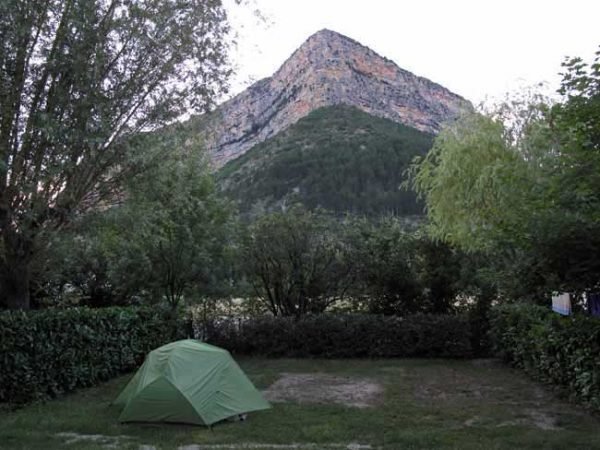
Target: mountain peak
{"x":326,"y":33}
{"x":327,"y":41}
{"x":328,"y":69}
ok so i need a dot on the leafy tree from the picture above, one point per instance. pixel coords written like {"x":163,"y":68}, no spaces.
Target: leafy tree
{"x":384,"y":253}
{"x":577,"y":124}
{"x":400,"y":271}
{"x":295,"y":262}
{"x":438,"y":270}
{"x":76,"y":78}
{"x":89,"y":264}
{"x":521,"y":184}
{"x":167,"y":241}
{"x":180,"y":227}
{"x":478,"y":184}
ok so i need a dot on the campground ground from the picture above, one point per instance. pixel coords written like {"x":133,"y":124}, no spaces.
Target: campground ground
{"x":353,"y":404}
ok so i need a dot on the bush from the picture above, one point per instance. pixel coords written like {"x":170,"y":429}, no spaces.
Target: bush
{"x":564,"y":351}
{"x":344,"y":336}
{"x":48,"y":352}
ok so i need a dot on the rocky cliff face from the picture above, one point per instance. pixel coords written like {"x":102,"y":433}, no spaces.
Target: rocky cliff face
{"x":328,"y":69}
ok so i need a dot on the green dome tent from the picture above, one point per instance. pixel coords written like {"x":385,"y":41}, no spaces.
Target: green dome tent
{"x":188,"y":382}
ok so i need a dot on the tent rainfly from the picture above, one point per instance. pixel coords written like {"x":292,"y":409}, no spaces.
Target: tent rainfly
{"x":188,"y":381}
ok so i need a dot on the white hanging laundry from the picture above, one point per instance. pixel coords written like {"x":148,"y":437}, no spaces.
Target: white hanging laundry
{"x":561,"y":303}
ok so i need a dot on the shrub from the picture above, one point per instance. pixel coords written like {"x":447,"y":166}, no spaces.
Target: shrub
{"x":564,"y":351}
{"x":344,"y":336}
{"x":48,"y":352}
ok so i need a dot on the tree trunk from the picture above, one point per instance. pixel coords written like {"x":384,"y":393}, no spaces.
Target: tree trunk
{"x":16,"y":274}
{"x":16,"y":289}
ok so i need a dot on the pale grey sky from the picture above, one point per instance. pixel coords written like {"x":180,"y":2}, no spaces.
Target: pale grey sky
{"x":477,"y":49}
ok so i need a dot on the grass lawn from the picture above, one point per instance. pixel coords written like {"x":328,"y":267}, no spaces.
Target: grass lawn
{"x":423,"y":404}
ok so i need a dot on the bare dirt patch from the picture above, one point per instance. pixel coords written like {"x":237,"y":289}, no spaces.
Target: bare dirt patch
{"x":322,"y":388}
{"x":486,"y":362}
{"x":433,"y":391}
{"x":454,"y":386}
{"x":523,"y":403}
{"x":309,"y":446}
{"x":543,"y":420}
{"x":104,"y":441}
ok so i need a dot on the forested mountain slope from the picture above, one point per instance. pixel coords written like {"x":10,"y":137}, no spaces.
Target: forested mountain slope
{"x":328,"y":69}
{"x":338,"y":158}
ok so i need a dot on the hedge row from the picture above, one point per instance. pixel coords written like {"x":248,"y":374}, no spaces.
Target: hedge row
{"x":44,"y":353}
{"x":343,"y":336}
{"x":564,"y":351}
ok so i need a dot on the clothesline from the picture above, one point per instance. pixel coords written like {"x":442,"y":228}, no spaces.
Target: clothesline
{"x":561,"y":303}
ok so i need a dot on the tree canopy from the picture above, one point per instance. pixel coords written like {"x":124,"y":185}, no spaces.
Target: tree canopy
{"x":167,"y":241}
{"x":337,"y":158}
{"x":79,"y":78}
{"x":294,"y":261}
{"x":522,"y":181}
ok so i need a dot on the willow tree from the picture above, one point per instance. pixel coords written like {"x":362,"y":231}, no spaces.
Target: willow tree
{"x":482,"y":186}
{"x":524,"y":180}
{"x":526,"y":169}
{"x":77,"y":79}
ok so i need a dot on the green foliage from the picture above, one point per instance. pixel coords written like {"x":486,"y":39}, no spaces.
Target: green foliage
{"x":179,"y":226}
{"x":305,"y":262}
{"x":399,"y":271}
{"x":564,"y":351}
{"x":345,"y":336}
{"x":521,"y":184}
{"x":439,"y":274}
{"x":580,"y":113}
{"x":79,"y":78}
{"x":387,"y":276}
{"x":337,"y":158}
{"x":476,"y":185}
{"x":577,"y":123}
{"x":168,"y":239}
{"x":295,"y":262}
{"x":91,"y":264}
{"x":45,"y":353}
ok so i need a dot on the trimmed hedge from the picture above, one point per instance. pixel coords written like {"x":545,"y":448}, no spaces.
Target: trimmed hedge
{"x":48,"y":352}
{"x":563,"y":351}
{"x":343,"y":336}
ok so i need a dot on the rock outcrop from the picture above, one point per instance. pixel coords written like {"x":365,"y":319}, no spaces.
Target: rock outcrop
{"x":328,"y":69}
